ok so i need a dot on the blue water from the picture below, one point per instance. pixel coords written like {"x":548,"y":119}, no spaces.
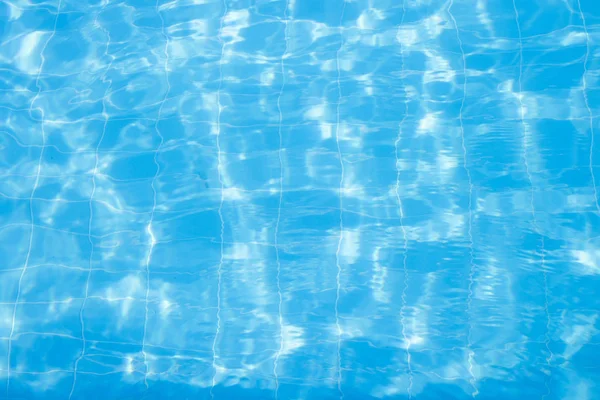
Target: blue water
{"x":318,"y":199}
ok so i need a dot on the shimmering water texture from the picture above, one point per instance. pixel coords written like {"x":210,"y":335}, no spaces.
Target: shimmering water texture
{"x":318,"y":199}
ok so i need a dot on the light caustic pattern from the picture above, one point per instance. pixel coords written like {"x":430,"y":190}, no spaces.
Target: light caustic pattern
{"x":366,"y":199}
